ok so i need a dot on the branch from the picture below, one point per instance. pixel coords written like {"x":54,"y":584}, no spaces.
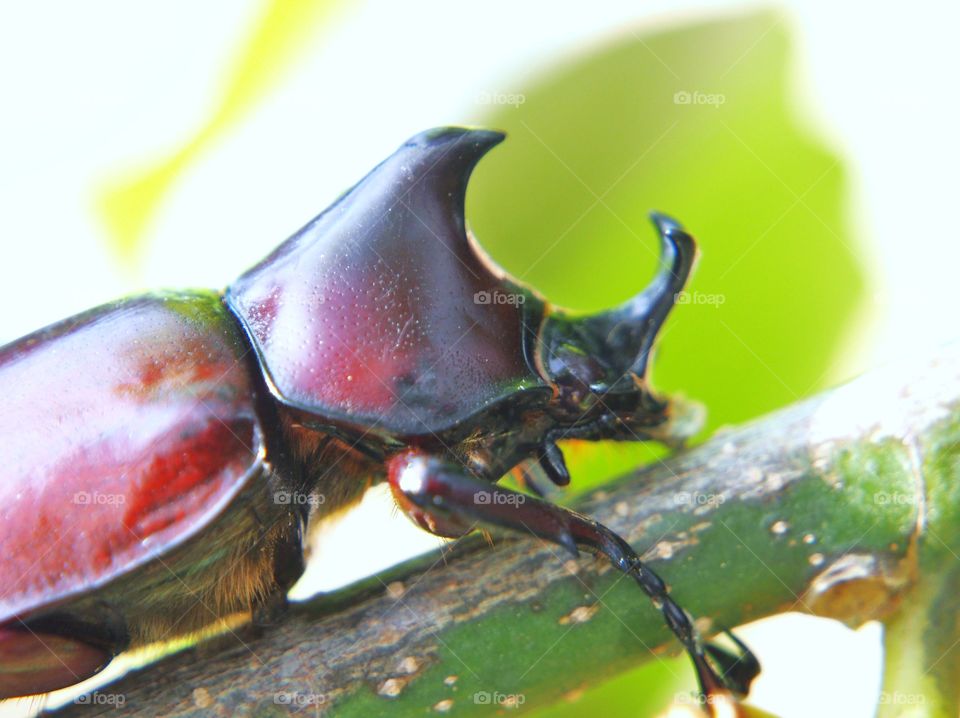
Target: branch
{"x":843,"y":505}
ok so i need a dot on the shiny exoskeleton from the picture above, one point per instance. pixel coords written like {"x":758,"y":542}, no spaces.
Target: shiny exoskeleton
{"x":161,"y":452}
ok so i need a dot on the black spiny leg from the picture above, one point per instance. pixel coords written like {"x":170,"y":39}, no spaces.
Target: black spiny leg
{"x":450,"y":493}
{"x":288,"y":567}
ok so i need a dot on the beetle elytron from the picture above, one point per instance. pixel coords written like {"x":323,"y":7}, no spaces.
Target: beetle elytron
{"x":145,"y":442}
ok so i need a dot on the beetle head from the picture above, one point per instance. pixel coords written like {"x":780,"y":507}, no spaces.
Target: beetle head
{"x":599,"y":362}
{"x":381,"y":314}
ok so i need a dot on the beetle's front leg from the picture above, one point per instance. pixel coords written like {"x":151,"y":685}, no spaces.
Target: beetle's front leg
{"x":446,"y":499}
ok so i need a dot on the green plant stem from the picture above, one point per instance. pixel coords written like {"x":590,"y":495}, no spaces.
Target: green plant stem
{"x":843,"y":505}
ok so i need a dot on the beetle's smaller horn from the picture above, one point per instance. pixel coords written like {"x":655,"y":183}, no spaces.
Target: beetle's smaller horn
{"x":609,"y":351}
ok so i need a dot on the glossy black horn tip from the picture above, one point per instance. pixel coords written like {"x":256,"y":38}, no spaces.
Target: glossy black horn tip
{"x":476,"y":138}
{"x":671,"y":230}
{"x":664,"y":223}
{"x":437,"y":163}
{"x":678,"y":248}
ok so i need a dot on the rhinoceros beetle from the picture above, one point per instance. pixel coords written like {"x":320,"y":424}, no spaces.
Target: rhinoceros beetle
{"x":155,"y":447}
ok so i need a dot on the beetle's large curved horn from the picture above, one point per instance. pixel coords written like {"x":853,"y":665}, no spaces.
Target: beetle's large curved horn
{"x":609,"y":351}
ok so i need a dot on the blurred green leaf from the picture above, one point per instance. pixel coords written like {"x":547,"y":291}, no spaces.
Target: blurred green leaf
{"x":641,"y":691}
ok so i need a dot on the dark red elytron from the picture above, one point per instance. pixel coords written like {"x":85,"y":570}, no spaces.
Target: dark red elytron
{"x":146,"y":442}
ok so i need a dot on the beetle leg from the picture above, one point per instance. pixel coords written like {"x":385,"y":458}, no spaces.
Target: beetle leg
{"x":738,"y":668}
{"x":526,"y":479}
{"x":450,"y":495}
{"x":531,"y":476}
{"x":39,"y":659}
{"x":288,"y":567}
{"x":269,"y":610}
